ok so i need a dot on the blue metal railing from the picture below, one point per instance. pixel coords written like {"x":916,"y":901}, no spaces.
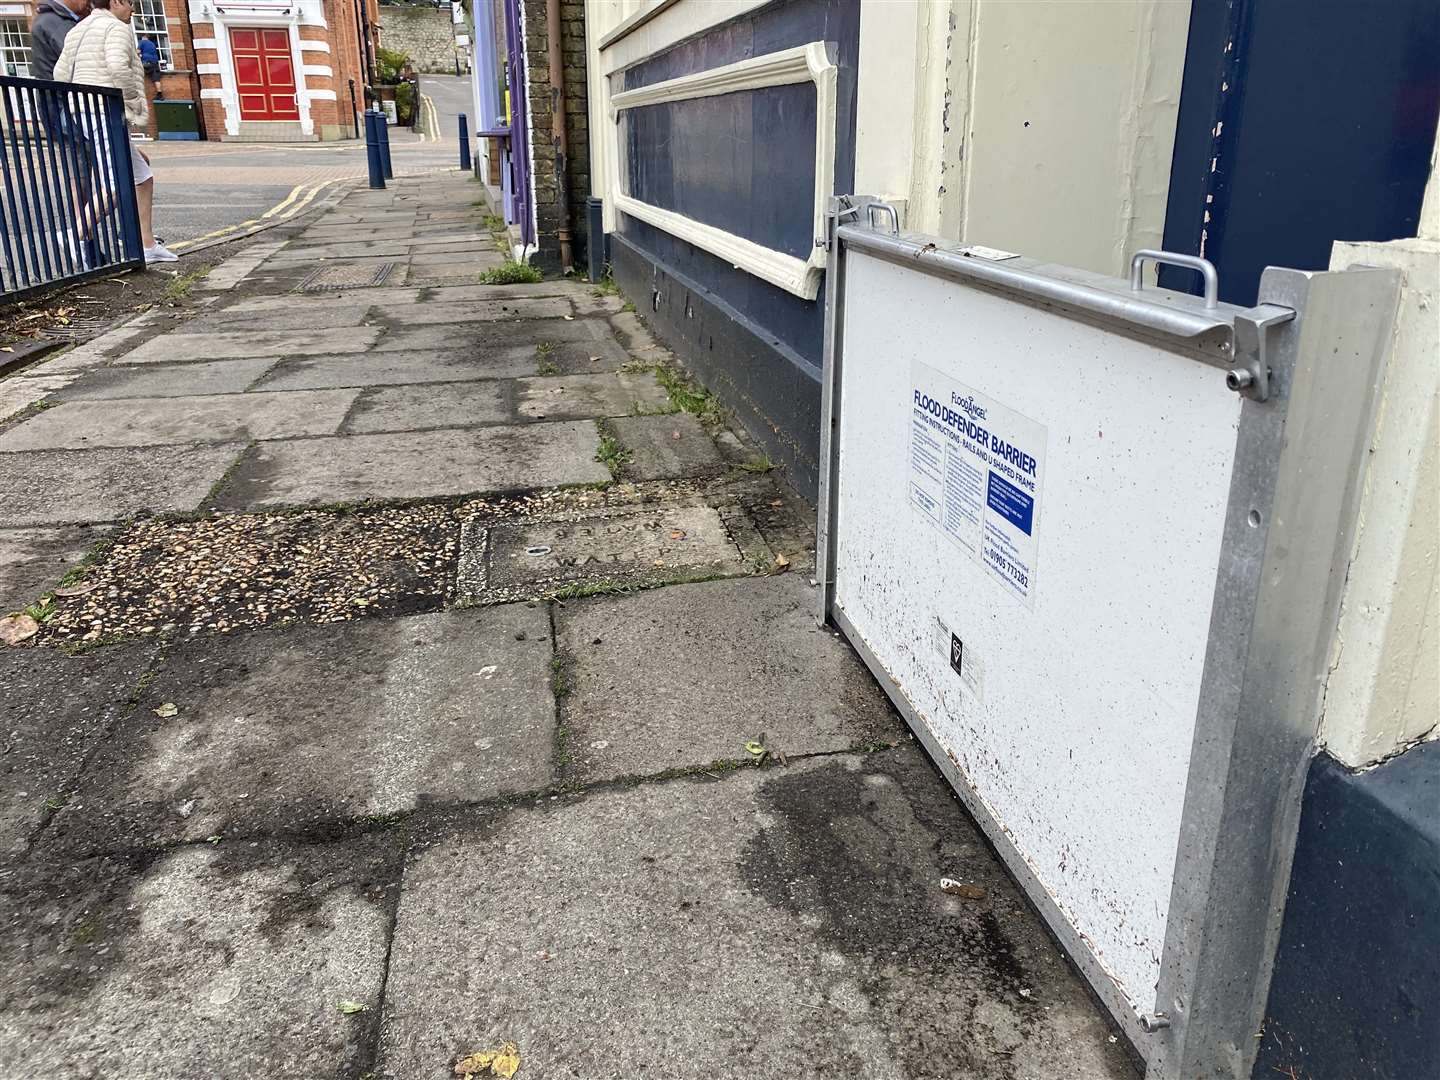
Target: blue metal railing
{"x":67,"y":191}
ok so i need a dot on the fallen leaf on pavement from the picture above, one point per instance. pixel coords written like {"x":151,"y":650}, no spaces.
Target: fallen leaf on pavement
{"x":677,"y":534}
{"x":959,"y":888}
{"x":167,"y":710}
{"x":504,"y":1063}
{"x":16,"y":628}
{"x":77,"y":590}
{"x":756,"y":748}
{"x":350,"y":1008}
{"x":781,"y":562}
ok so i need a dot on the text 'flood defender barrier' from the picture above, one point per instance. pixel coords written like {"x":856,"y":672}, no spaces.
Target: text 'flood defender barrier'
{"x":1090,"y":537}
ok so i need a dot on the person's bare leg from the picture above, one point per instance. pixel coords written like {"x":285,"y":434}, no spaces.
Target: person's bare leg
{"x":145,"y":202}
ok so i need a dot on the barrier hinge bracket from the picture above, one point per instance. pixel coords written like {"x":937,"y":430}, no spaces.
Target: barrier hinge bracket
{"x":1250,"y":371}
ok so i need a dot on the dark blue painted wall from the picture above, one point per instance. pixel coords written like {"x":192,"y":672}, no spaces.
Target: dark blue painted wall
{"x":1356,"y":991}
{"x":1325,"y":132}
{"x":743,"y":162}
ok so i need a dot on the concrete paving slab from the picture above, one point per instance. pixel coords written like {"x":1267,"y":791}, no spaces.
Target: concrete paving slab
{"x":435,"y":312}
{"x":413,"y":465}
{"x":782,"y":922}
{"x":639,"y":703}
{"x":394,"y":250}
{"x":667,"y":447}
{"x":225,"y":961}
{"x":438,"y":405}
{"x":247,"y":344}
{"x":34,"y":560}
{"x":668,"y":538}
{"x":453,"y":272}
{"x":53,"y":711}
{"x":300,"y":729}
{"x":300,"y":314}
{"x":168,"y":380}
{"x":398,"y":368}
{"x":18,"y":394}
{"x":489,"y":335}
{"x":363,"y":297}
{"x":57,"y":487}
{"x":166,"y":421}
{"x":564,"y":397}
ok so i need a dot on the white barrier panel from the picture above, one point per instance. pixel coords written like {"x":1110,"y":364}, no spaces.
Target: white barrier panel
{"x":1044,"y":528}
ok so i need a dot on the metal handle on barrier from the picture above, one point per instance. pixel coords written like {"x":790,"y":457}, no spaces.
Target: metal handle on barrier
{"x":884,"y":208}
{"x":1174,"y":258}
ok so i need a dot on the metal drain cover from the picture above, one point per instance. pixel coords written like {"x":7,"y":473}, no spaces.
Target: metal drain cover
{"x":325,"y":278}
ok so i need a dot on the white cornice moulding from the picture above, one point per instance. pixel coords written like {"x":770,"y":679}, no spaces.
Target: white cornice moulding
{"x":806,"y":63}
{"x":779,"y":269}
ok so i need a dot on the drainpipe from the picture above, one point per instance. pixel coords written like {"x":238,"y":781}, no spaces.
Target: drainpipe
{"x":369,"y":56}
{"x":557,"y":127}
{"x":195,"y":76}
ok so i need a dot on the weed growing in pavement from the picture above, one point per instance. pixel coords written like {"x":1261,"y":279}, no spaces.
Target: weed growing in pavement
{"x":42,"y":609}
{"x":628,"y":307}
{"x":512,"y":273}
{"x":559,"y":680}
{"x":611,"y":453}
{"x":493,"y":222}
{"x":759,"y":464}
{"x":606,"y":285}
{"x":180,"y":285}
{"x":544,"y":352}
{"x":686,"y":395}
{"x":56,"y":802}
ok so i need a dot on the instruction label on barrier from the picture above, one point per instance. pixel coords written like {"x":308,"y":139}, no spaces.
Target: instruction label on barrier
{"x":977,"y":469}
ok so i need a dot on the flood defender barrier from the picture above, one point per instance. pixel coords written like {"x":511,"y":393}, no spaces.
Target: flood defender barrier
{"x":1089,"y":536}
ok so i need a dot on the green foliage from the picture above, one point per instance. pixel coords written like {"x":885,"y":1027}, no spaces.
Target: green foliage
{"x":389,"y":63}
{"x":512,"y":273}
{"x":405,"y":102}
{"x":611,"y":453}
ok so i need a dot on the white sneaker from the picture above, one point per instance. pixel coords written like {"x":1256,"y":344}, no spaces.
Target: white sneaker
{"x":160,"y":253}
{"x":66,"y":241}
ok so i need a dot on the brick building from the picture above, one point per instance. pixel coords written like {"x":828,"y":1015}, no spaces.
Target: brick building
{"x":260,"y":70}
{"x":543,"y":184}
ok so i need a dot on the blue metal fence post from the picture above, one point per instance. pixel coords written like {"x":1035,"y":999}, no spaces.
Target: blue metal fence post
{"x":382,"y":128}
{"x":372,"y":151}
{"x":464,"y":142}
{"x":119,"y":146}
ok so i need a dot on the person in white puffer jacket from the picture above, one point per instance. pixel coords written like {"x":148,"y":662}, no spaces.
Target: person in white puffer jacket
{"x":101,"y":51}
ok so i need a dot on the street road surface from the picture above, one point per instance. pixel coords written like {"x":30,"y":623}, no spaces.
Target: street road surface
{"x":205,"y":187}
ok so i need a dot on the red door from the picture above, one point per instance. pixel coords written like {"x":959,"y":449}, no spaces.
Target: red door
{"x":264,"y":74}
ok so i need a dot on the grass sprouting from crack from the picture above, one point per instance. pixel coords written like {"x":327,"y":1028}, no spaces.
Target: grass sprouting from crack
{"x":759,"y":464}
{"x":611,"y":453}
{"x":544,"y":356}
{"x":512,"y":273}
{"x":686,"y":395}
{"x":179,"y":287}
{"x":559,"y":679}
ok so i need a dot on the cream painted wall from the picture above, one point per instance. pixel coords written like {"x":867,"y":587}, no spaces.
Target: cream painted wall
{"x":1384,"y":687}
{"x":1061,"y":136}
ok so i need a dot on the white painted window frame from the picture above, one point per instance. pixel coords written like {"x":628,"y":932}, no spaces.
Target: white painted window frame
{"x":806,"y":63}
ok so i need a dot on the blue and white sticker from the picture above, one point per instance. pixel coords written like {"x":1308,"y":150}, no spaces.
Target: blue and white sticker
{"x":977,"y":469}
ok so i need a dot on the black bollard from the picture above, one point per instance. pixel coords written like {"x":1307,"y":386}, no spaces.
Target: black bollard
{"x":382,"y":126}
{"x":464,"y":142}
{"x":372,"y":151}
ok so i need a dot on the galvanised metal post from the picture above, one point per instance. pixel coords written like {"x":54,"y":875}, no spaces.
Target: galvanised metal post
{"x":382,"y":127}
{"x":464,"y":142}
{"x":372,"y":151}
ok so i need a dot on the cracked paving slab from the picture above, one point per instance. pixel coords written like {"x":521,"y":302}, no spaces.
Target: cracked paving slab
{"x":667,"y":447}
{"x":54,"y":710}
{"x":565,"y":397}
{"x":480,"y":336}
{"x":299,"y":729}
{"x":410,"y":465}
{"x":246,"y":344}
{"x":227,"y":961}
{"x":83,"y":425}
{"x":168,"y":380}
{"x":638,"y":703}
{"x":780,"y":922}
{"x":52,"y":487}
{"x":400,"y":368}
{"x":451,"y":404}
{"x":33,"y":560}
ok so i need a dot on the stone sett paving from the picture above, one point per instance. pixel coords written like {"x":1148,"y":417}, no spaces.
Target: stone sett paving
{"x":396,"y":730}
